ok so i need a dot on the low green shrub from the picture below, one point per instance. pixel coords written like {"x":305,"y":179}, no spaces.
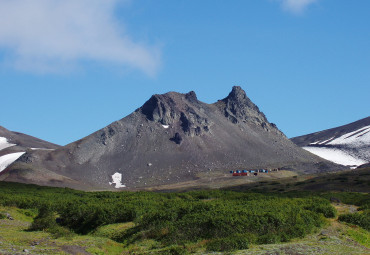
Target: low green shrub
{"x":59,"y":231}
{"x":230,"y":243}
{"x":172,"y":219}
{"x":361,"y":219}
{"x":44,"y":220}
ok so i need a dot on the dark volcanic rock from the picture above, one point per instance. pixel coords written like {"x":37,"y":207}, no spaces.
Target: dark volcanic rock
{"x":177,"y":138}
{"x":172,"y":138}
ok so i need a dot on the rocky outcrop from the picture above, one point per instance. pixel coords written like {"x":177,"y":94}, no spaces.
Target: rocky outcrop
{"x":177,"y":109}
{"x":237,"y":107}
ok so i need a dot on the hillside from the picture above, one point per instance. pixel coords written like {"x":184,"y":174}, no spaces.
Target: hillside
{"x":14,"y":144}
{"x":347,"y":145}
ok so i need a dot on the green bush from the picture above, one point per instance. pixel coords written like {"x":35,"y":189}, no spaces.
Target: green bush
{"x":171,"y":219}
{"x":44,"y":220}
{"x":58,"y":231}
{"x":361,"y":219}
{"x":230,"y":243}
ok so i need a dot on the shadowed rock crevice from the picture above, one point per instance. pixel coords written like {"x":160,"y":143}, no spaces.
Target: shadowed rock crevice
{"x":177,"y":109}
{"x":160,"y":109}
{"x":177,"y":138}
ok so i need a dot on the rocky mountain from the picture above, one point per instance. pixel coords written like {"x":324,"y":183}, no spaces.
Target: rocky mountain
{"x":347,"y":145}
{"x":14,"y":144}
{"x":172,"y":138}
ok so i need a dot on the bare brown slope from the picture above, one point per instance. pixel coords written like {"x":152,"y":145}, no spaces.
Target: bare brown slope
{"x":172,"y":138}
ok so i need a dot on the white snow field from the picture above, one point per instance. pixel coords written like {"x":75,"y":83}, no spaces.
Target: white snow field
{"x":335,"y":155}
{"x":7,"y":159}
{"x":356,"y":138}
{"x":359,"y":137}
{"x":4,"y":143}
{"x":351,"y":149}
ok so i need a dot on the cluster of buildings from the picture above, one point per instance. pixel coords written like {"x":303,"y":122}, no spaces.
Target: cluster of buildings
{"x":253,"y":172}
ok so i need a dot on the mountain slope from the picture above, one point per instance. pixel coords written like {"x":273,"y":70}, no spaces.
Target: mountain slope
{"x":14,"y":144}
{"x":347,"y":145}
{"x":172,"y":138}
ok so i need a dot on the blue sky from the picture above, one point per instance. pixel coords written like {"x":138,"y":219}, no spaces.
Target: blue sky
{"x":71,"y":67}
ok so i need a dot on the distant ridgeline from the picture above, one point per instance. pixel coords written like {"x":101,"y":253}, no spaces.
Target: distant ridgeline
{"x":347,"y":145}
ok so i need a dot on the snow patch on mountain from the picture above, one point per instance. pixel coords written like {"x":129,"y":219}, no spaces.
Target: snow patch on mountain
{"x":8,"y":159}
{"x":5,"y":144}
{"x":336,"y":155}
{"x":356,"y":138}
{"x":346,"y":145}
{"x":117,"y":180}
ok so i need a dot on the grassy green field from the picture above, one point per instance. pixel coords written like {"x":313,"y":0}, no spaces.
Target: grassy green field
{"x":246,"y":220}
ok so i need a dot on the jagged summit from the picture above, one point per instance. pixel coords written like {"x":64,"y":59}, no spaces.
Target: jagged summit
{"x":172,"y":138}
{"x":237,"y":107}
{"x":166,"y":108}
{"x":238,"y":94}
{"x":182,"y":112}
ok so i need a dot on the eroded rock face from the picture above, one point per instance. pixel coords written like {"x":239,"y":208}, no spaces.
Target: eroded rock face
{"x":177,"y":109}
{"x":237,"y":107}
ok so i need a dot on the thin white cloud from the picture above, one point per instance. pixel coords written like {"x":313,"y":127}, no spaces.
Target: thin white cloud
{"x":50,"y":35}
{"x":296,"y":6}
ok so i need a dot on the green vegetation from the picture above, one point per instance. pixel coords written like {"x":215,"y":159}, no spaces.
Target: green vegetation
{"x":361,"y":219}
{"x":230,"y":243}
{"x":213,"y":220}
{"x":360,"y":235}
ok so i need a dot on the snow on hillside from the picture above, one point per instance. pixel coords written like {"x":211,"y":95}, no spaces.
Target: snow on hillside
{"x":20,"y":143}
{"x":4,"y":143}
{"x":350,"y":149}
{"x":7,"y":159}
{"x":336,"y":155}
{"x":353,"y":139}
{"x":356,"y":138}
